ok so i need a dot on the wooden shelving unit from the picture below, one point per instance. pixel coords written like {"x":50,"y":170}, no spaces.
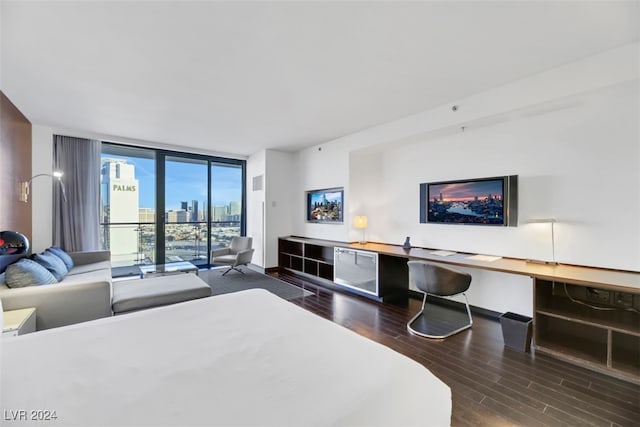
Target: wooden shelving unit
{"x":314,"y":258}
{"x":606,"y":340}
{"x":598,"y":332}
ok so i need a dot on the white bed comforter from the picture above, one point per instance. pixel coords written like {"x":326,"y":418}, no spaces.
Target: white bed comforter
{"x":247,"y":358}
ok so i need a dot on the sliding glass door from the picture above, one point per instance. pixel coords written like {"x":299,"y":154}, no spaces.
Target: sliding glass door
{"x":127,"y":205}
{"x":226,"y":203}
{"x":161,"y":206}
{"x":186,"y":215}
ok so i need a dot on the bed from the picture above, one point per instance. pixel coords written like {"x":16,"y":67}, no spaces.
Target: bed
{"x":246,"y":358}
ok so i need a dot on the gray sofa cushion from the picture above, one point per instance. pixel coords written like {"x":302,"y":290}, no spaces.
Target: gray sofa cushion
{"x":27,"y":272}
{"x":132,"y":295}
{"x":88,"y":268}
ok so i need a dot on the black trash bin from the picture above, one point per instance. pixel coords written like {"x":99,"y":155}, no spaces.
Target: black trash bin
{"x":516,"y":331}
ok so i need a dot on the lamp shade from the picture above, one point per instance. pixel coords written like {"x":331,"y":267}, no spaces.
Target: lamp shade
{"x":360,"y":221}
{"x":13,"y":243}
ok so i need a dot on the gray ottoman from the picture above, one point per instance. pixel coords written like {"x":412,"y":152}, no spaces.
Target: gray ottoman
{"x":133,"y":295}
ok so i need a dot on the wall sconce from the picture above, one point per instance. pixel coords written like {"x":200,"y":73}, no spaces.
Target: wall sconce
{"x":552,"y":222}
{"x":13,"y":243}
{"x":360,"y":221}
{"x":24,"y":189}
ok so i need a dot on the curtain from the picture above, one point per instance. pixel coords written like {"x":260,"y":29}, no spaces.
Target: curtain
{"x":76,"y":222}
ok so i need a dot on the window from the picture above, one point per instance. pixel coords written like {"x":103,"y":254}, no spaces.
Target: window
{"x":168,"y":206}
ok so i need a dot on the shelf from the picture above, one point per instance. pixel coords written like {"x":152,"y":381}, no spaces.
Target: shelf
{"x":574,"y":340}
{"x":552,"y":301}
{"x":319,"y":253}
{"x":315,"y":259}
{"x":625,"y":353}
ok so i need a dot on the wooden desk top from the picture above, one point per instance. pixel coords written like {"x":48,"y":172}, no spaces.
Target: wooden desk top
{"x":601,"y":277}
{"x":619,"y":280}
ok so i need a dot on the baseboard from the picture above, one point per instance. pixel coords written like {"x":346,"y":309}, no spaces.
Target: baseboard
{"x":479,"y":311}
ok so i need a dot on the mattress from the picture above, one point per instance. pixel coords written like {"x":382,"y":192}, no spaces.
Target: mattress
{"x":246,"y":358}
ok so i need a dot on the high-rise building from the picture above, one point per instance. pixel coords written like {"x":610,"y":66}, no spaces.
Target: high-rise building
{"x":184,"y":206}
{"x":120,"y":201}
{"x":235,"y":208}
{"x":220,"y":213}
{"x":194,"y":211}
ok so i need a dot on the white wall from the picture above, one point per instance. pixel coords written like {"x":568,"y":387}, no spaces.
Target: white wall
{"x":269,"y":211}
{"x":256,"y":167}
{"x":577,"y":163}
{"x":280,"y":173}
{"x":572,"y":136}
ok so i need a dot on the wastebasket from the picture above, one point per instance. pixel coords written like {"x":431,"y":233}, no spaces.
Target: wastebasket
{"x":516,"y":331}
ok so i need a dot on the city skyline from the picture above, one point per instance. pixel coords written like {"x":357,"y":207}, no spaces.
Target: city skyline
{"x":465,"y":191}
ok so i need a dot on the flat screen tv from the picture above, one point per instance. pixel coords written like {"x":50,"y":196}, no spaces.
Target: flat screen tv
{"x":481,"y":201}
{"x":326,"y":205}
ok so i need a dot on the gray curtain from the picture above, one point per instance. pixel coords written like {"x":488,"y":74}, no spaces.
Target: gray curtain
{"x":76,"y":222}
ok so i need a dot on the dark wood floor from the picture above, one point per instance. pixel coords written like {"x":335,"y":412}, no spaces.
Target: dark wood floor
{"x":491,"y":385}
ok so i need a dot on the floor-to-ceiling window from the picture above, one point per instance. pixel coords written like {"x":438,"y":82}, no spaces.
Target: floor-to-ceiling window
{"x":128,"y":204}
{"x":160,"y":206}
{"x":226,"y":202}
{"x":185,"y":209}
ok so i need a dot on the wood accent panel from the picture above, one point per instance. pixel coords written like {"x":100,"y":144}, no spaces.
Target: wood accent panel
{"x":15,"y":166}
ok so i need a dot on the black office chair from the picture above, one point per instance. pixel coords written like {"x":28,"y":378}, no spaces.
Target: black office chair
{"x":436,"y":320}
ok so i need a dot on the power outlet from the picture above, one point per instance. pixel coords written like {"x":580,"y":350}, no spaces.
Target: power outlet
{"x":598,"y":295}
{"x":622,"y":299}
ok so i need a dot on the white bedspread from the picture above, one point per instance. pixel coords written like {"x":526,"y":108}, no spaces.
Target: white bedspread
{"x":247,"y":358}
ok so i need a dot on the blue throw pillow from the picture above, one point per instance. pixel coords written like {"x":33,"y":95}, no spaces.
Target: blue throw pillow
{"x":60,"y":253}
{"x":52,"y":263}
{"x":27,"y":272}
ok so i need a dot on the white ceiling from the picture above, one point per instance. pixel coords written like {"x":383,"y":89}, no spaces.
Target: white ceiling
{"x":238,"y":77}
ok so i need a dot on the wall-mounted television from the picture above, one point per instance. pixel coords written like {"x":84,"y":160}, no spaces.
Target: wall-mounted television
{"x":326,"y":205}
{"x":480,"y":201}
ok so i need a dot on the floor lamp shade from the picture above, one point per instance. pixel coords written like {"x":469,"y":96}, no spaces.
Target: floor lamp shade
{"x":13,"y":243}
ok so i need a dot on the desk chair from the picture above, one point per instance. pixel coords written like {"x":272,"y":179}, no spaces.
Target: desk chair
{"x":433,"y":320}
{"x":238,"y":253}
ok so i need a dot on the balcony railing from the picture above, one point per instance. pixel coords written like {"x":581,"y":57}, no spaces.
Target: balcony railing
{"x":135,"y":243}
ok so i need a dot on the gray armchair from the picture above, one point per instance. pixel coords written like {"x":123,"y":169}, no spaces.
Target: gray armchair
{"x":238,"y":253}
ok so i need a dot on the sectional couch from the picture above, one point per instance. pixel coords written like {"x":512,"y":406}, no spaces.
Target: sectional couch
{"x":84,"y":293}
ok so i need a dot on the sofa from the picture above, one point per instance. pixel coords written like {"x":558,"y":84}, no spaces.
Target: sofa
{"x":83,"y":294}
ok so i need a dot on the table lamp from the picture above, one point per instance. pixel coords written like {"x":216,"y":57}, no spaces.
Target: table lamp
{"x":360,"y":221}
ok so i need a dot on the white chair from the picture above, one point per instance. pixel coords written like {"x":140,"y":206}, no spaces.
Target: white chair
{"x":238,"y":253}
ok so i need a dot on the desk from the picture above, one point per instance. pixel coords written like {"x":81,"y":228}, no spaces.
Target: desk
{"x":615,"y":280}
{"x":605,"y":341}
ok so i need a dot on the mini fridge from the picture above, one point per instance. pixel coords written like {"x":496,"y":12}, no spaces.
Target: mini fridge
{"x":356,"y":269}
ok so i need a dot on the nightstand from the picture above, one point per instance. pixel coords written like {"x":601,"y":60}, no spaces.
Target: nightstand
{"x":19,"y":322}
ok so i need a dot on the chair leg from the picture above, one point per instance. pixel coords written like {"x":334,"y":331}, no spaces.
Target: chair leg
{"x":424,"y":327}
{"x":233,"y":268}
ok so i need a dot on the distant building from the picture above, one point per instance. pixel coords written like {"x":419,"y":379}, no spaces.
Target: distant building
{"x":235,"y":208}
{"x":147,"y":215}
{"x":194,"y":211}
{"x":220,"y":213}
{"x":120,"y":201}
{"x":180,"y":216}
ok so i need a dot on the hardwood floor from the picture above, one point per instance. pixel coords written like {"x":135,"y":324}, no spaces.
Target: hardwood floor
{"x":491,"y":385}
